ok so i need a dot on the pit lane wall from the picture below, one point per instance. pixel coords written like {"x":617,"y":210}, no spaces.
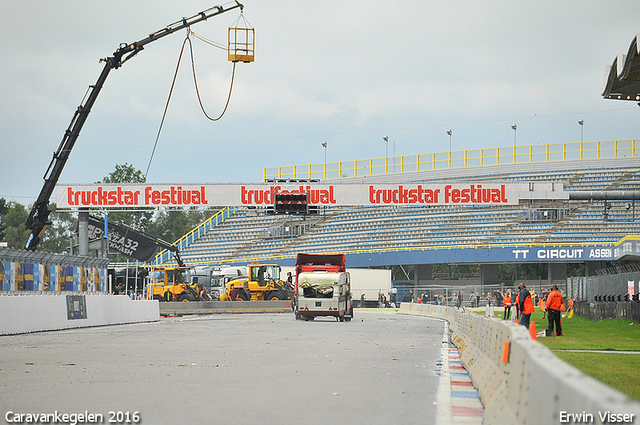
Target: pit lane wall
{"x":23,"y":312}
{"x":521,"y":381}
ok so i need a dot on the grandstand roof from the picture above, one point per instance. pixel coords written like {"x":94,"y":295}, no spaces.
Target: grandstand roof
{"x":622,"y":77}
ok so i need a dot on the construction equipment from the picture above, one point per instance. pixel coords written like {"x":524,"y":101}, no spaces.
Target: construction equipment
{"x":263,"y":283}
{"x":39,"y":217}
{"x":323,"y":287}
{"x":173,"y":283}
{"x":215,"y":278}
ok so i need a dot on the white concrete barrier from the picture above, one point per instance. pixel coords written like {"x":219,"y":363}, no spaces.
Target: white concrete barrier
{"x":521,"y":381}
{"x":46,"y":311}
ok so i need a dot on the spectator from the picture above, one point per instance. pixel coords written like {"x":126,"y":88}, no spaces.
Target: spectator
{"x":534,"y":297}
{"x":488,"y":298}
{"x":362,"y":301}
{"x":497,"y":295}
{"x":406,"y":298}
{"x":553,"y":306}
{"x":507,"y":305}
{"x":425,"y":298}
{"x":458,"y":299}
{"x":472,"y":299}
{"x":477,"y":299}
{"x":526,"y":306}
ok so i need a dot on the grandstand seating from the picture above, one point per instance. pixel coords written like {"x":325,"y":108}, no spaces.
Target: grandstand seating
{"x":246,"y":236}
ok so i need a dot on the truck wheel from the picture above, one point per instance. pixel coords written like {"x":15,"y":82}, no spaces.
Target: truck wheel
{"x":186,"y":297}
{"x":242,"y":297}
{"x":158,"y":297}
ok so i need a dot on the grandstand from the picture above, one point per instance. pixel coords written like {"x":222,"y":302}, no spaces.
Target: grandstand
{"x":388,"y":235}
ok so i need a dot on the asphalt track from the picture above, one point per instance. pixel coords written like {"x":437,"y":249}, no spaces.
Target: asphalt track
{"x":230,"y":369}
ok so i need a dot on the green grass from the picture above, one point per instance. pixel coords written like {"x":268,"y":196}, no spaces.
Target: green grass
{"x":617,"y":370}
{"x":583,"y":334}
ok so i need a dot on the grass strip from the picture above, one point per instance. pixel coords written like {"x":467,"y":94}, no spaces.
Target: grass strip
{"x":619,"y":371}
{"x":616,"y":370}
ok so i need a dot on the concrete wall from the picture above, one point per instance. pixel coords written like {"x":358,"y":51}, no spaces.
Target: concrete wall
{"x":519,"y":380}
{"x":22,"y":312}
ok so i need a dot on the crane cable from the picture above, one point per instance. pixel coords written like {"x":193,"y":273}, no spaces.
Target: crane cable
{"x":166,"y":107}
{"x":175,"y":75}
{"x":195,"y":82}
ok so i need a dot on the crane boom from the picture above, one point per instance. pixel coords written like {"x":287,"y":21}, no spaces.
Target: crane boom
{"x":39,"y":217}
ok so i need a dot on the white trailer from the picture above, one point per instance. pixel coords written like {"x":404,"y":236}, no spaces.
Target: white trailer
{"x":369,"y":282}
{"x":323,"y":293}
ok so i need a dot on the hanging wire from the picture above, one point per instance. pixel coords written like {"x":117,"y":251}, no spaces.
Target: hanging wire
{"x":244,"y":21}
{"x":211,"y":42}
{"x":195,"y":82}
{"x":166,"y":107}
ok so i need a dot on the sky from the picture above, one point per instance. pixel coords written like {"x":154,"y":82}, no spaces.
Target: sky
{"x":344,"y":72}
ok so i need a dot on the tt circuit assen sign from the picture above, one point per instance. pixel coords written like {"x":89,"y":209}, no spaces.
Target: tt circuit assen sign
{"x":262,"y":194}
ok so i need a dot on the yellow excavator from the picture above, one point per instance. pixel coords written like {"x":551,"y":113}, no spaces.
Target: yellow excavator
{"x":173,"y":283}
{"x":262,"y":284}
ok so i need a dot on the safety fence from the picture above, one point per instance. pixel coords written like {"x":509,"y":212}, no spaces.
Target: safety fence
{"x":42,"y":271}
{"x":587,"y":288}
{"x":458,"y":159}
{"x":608,"y":310}
{"x":519,"y":380}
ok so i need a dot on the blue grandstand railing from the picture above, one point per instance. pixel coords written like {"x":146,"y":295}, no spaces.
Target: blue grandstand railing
{"x":189,"y":238}
{"x":457,"y":159}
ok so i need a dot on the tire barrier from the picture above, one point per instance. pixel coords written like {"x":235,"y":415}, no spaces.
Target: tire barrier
{"x":520,"y":381}
{"x":212,"y":307}
{"x":24,"y":312}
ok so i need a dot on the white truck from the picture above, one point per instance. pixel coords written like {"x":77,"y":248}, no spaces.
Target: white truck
{"x":325,"y":294}
{"x":215,"y":278}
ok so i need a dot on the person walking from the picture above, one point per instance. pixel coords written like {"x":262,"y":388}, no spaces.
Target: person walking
{"x":526,"y":306}
{"x":553,"y":306}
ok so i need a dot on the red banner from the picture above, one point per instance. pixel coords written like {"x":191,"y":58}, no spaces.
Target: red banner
{"x":262,"y":194}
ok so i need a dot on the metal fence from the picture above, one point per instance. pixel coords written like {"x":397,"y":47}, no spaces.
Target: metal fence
{"x":586,"y":288}
{"x":473,"y":295}
{"x":42,"y":271}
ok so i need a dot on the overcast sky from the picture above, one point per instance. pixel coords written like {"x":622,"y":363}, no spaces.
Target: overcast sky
{"x":345,"y":72}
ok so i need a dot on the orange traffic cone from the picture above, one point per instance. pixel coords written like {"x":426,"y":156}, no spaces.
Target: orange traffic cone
{"x":532,"y":331}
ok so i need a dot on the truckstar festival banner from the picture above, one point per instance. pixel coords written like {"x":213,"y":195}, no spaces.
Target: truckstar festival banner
{"x":262,"y":194}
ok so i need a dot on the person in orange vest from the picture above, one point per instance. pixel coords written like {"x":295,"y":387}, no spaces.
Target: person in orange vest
{"x":507,"y":305}
{"x":554,"y":303}
{"x":526,"y":306}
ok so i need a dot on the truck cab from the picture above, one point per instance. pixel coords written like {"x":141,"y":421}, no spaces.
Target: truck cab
{"x":215,"y":278}
{"x":322,"y":293}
